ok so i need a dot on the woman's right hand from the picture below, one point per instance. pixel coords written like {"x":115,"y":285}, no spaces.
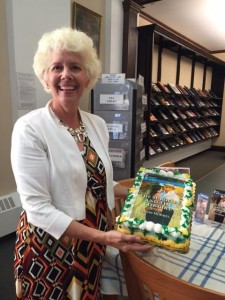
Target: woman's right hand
{"x":125,"y":242}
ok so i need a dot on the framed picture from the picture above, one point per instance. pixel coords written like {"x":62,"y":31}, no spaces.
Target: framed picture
{"x":89,"y":22}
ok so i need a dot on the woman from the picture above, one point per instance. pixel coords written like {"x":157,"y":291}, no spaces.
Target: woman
{"x":154,"y":203}
{"x":64,"y":177}
{"x":156,"y":191}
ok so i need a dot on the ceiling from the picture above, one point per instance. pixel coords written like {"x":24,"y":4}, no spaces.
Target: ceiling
{"x":202,"y":21}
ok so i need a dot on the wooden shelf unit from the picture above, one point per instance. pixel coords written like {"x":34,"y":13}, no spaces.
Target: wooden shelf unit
{"x":153,"y":34}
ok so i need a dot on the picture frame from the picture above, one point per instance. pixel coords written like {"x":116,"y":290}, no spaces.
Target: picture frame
{"x":89,"y":22}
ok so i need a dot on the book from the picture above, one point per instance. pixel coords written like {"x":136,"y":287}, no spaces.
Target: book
{"x":191,"y":113}
{"x":175,"y":141}
{"x":172,"y":87}
{"x":213,"y":95}
{"x":199,"y":102}
{"x":173,"y":114}
{"x":186,"y":102}
{"x":217,"y":206}
{"x":181,"y":114}
{"x":154,"y":101}
{"x":197,"y":113}
{"x":181,"y":126}
{"x":169,"y":129}
{"x":188,"y":124}
{"x":171,"y":101}
{"x":215,"y":133}
{"x":201,"y":208}
{"x":207,"y":93}
{"x":192,"y":137}
{"x":188,"y":90}
{"x":179,"y":140}
{"x":175,"y":128}
{"x":179,"y":102}
{"x":201,"y":135}
{"x":162,"y":129}
{"x":214,"y":103}
{"x":181,"y":89}
{"x":163,"y":87}
{"x":163,"y":100}
{"x":187,"y":138}
{"x":155,"y":88}
{"x":151,"y":151}
{"x":172,"y":143}
{"x":194,"y":123}
{"x":163,"y":145}
{"x":155,"y":146}
{"x":196,"y":136}
{"x":196,"y":92}
{"x":201,"y":92}
{"x":152,"y":132}
{"x":163,"y":115}
{"x":153,"y":118}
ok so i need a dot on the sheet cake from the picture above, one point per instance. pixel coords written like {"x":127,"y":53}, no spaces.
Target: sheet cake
{"x":159,"y":208}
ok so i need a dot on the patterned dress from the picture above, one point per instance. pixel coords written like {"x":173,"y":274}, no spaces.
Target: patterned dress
{"x":50,"y":269}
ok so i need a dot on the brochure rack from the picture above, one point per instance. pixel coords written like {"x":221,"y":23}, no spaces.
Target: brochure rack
{"x":122,"y":106}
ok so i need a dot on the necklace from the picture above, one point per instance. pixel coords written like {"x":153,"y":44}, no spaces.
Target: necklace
{"x":79,"y":134}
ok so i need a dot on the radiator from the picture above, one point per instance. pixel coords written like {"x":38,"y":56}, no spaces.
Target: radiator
{"x":10,"y":209}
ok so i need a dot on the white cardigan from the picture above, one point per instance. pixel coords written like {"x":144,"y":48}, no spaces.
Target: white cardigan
{"x":49,"y":170}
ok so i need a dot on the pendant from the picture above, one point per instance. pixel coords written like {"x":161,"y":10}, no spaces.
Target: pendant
{"x":78,"y":134}
{"x":80,"y":137}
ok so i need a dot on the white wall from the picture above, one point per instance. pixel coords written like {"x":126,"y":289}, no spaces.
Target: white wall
{"x":114,"y":36}
{"x":7,"y":183}
{"x":27,"y":21}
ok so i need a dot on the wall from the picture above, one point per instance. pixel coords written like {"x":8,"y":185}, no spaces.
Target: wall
{"x":7,"y":183}
{"x":25,"y":38}
{"x":113,"y":36}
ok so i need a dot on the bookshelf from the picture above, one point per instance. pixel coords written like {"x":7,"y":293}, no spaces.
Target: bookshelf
{"x":181,"y":117}
{"x":178,"y":117}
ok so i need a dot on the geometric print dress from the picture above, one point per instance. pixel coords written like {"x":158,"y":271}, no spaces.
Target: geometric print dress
{"x":50,"y":269}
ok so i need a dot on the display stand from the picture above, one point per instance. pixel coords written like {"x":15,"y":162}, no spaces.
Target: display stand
{"x":122,"y":106}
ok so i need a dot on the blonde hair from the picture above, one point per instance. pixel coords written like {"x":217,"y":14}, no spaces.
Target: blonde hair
{"x":70,"y":40}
